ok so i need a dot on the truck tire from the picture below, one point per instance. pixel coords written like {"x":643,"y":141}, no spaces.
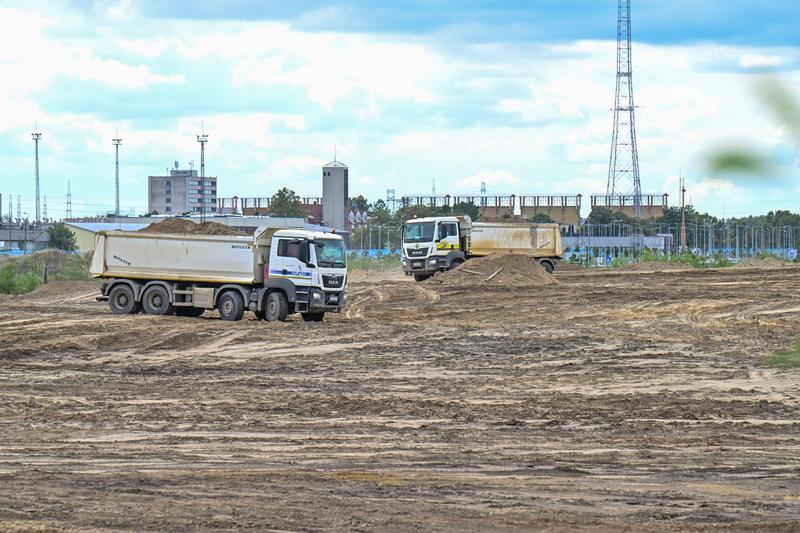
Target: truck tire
{"x":313,"y":317}
{"x":421,"y":277}
{"x":231,"y":306}
{"x":121,"y":301}
{"x":155,"y":301}
{"x":277,"y":308}
{"x":548,"y":265}
{"x":189,"y":311}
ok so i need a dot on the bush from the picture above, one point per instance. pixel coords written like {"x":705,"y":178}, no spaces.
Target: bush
{"x":382,"y":262}
{"x":25,"y":274}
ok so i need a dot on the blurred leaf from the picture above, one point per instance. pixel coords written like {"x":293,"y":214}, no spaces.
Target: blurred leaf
{"x":782,"y":102}
{"x":739,"y":160}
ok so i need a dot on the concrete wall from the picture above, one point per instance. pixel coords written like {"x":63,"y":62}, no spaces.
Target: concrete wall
{"x":335,"y":193}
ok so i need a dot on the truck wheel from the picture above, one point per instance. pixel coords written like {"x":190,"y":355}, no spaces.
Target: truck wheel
{"x":547,"y":265}
{"x":231,"y":306}
{"x":313,"y":317}
{"x":260,"y":315}
{"x":121,"y":301}
{"x":155,"y":301}
{"x":277,"y":307}
{"x":421,"y":277}
{"x":189,"y":311}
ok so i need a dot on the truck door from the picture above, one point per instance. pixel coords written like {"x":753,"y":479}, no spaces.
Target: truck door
{"x":287,"y":263}
{"x":447,"y":238}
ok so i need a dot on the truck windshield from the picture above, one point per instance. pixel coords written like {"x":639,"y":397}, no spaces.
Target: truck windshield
{"x":330,"y":253}
{"x":419,"y":232}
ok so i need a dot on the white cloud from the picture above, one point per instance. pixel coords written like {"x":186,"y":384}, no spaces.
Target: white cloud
{"x":492,"y":178}
{"x":755,"y":60}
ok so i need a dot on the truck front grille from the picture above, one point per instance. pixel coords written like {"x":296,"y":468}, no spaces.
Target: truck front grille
{"x":417,"y":252}
{"x":332,"y":281}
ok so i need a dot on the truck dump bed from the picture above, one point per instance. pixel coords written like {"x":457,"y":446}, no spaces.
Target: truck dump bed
{"x":176,"y":257}
{"x":538,"y":240}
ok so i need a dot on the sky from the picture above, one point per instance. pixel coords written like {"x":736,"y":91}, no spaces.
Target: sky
{"x":516,"y":94}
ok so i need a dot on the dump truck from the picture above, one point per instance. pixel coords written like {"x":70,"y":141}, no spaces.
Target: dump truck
{"x":274,"y":273}
{"x":437,"y":244}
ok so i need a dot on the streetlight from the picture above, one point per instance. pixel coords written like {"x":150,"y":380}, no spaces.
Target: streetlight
{"x":25,"y":228}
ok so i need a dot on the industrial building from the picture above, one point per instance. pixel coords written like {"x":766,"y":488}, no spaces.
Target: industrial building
{"x":20,"y":239}
{"x":650,"y":205}
{"x":335,"y":194}
{"x":181,"y":192}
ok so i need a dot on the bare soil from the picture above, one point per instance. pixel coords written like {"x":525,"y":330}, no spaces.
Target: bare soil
{"x":610,"y":401}
{"x":498,"y":269}
{"x":184,"y":226}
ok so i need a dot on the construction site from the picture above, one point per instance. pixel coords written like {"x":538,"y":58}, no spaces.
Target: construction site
{"x":451,"y":361}
{"x":581,"y":401}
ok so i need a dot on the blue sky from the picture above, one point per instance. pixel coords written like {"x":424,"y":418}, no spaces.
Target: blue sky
{"x":514,"y":94}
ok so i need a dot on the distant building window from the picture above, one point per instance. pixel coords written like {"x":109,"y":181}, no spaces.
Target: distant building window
{"x":168,"y":209}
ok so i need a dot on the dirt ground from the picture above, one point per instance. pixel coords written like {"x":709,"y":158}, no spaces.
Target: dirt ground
{"x":610,"y":401}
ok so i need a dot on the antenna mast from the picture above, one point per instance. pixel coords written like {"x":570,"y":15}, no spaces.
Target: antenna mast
{"x":36,"y":138}
{"x":202,"y":139}
{"x":44,"y":209}
{"x":116,"y":142}
{"x":69,"y":201}
{"x":623,"y":164}
{"x":683,"y":215}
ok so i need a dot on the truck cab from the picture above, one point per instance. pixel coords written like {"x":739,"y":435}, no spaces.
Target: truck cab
{"x":310,"y":268}
{"x":434,"y":244}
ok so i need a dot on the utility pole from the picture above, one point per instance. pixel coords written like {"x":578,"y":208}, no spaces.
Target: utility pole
{"x":116,"y":142}
{"x":19,"y":208}
{"x":202,"y":139}
{"x":623,"y":164}
{"x":36,"y":138}
{"x":683,"y":215}
{"x":69,"y":201}
{"x":44,"y":209}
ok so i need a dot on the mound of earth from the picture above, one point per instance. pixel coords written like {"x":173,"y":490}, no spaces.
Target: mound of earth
{"x":762,"y":262}
{"x":182,"y":225}
{"x":503,"y":269}
{"x":647,"y":266}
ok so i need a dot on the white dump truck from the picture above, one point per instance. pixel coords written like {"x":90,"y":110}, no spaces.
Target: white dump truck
{"x":274,"y":273}
{"x":437,"y":244}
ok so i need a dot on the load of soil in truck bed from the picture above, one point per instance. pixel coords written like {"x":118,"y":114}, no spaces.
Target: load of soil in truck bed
{"x":181,"y":225}
{"x":508,"y":269}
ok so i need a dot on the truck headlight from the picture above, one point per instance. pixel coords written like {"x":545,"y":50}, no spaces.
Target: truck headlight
{"x":404,"y":262}
{"x":432,"y":261}
{"x":316,"y":296}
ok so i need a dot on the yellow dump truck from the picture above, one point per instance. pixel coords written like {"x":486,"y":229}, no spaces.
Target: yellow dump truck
{"x":437,"y":244}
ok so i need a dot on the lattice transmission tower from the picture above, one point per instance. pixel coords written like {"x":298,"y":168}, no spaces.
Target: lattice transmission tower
{"x":623,"y":164}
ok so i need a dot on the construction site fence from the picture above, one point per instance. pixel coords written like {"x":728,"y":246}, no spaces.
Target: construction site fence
{"x":629,"y":241}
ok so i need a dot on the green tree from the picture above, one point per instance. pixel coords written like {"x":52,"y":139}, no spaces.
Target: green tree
{"x":150,"y":213}
{"x":285,"y":203}
{"x":360,"y":203}
{"x":466,"y":208}
{"x":379,"y":213}
{"x":541,"y":218}
{"x":62,"y":238}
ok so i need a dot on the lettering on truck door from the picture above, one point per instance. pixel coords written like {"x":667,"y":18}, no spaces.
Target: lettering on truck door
{"x":288,"y":265}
